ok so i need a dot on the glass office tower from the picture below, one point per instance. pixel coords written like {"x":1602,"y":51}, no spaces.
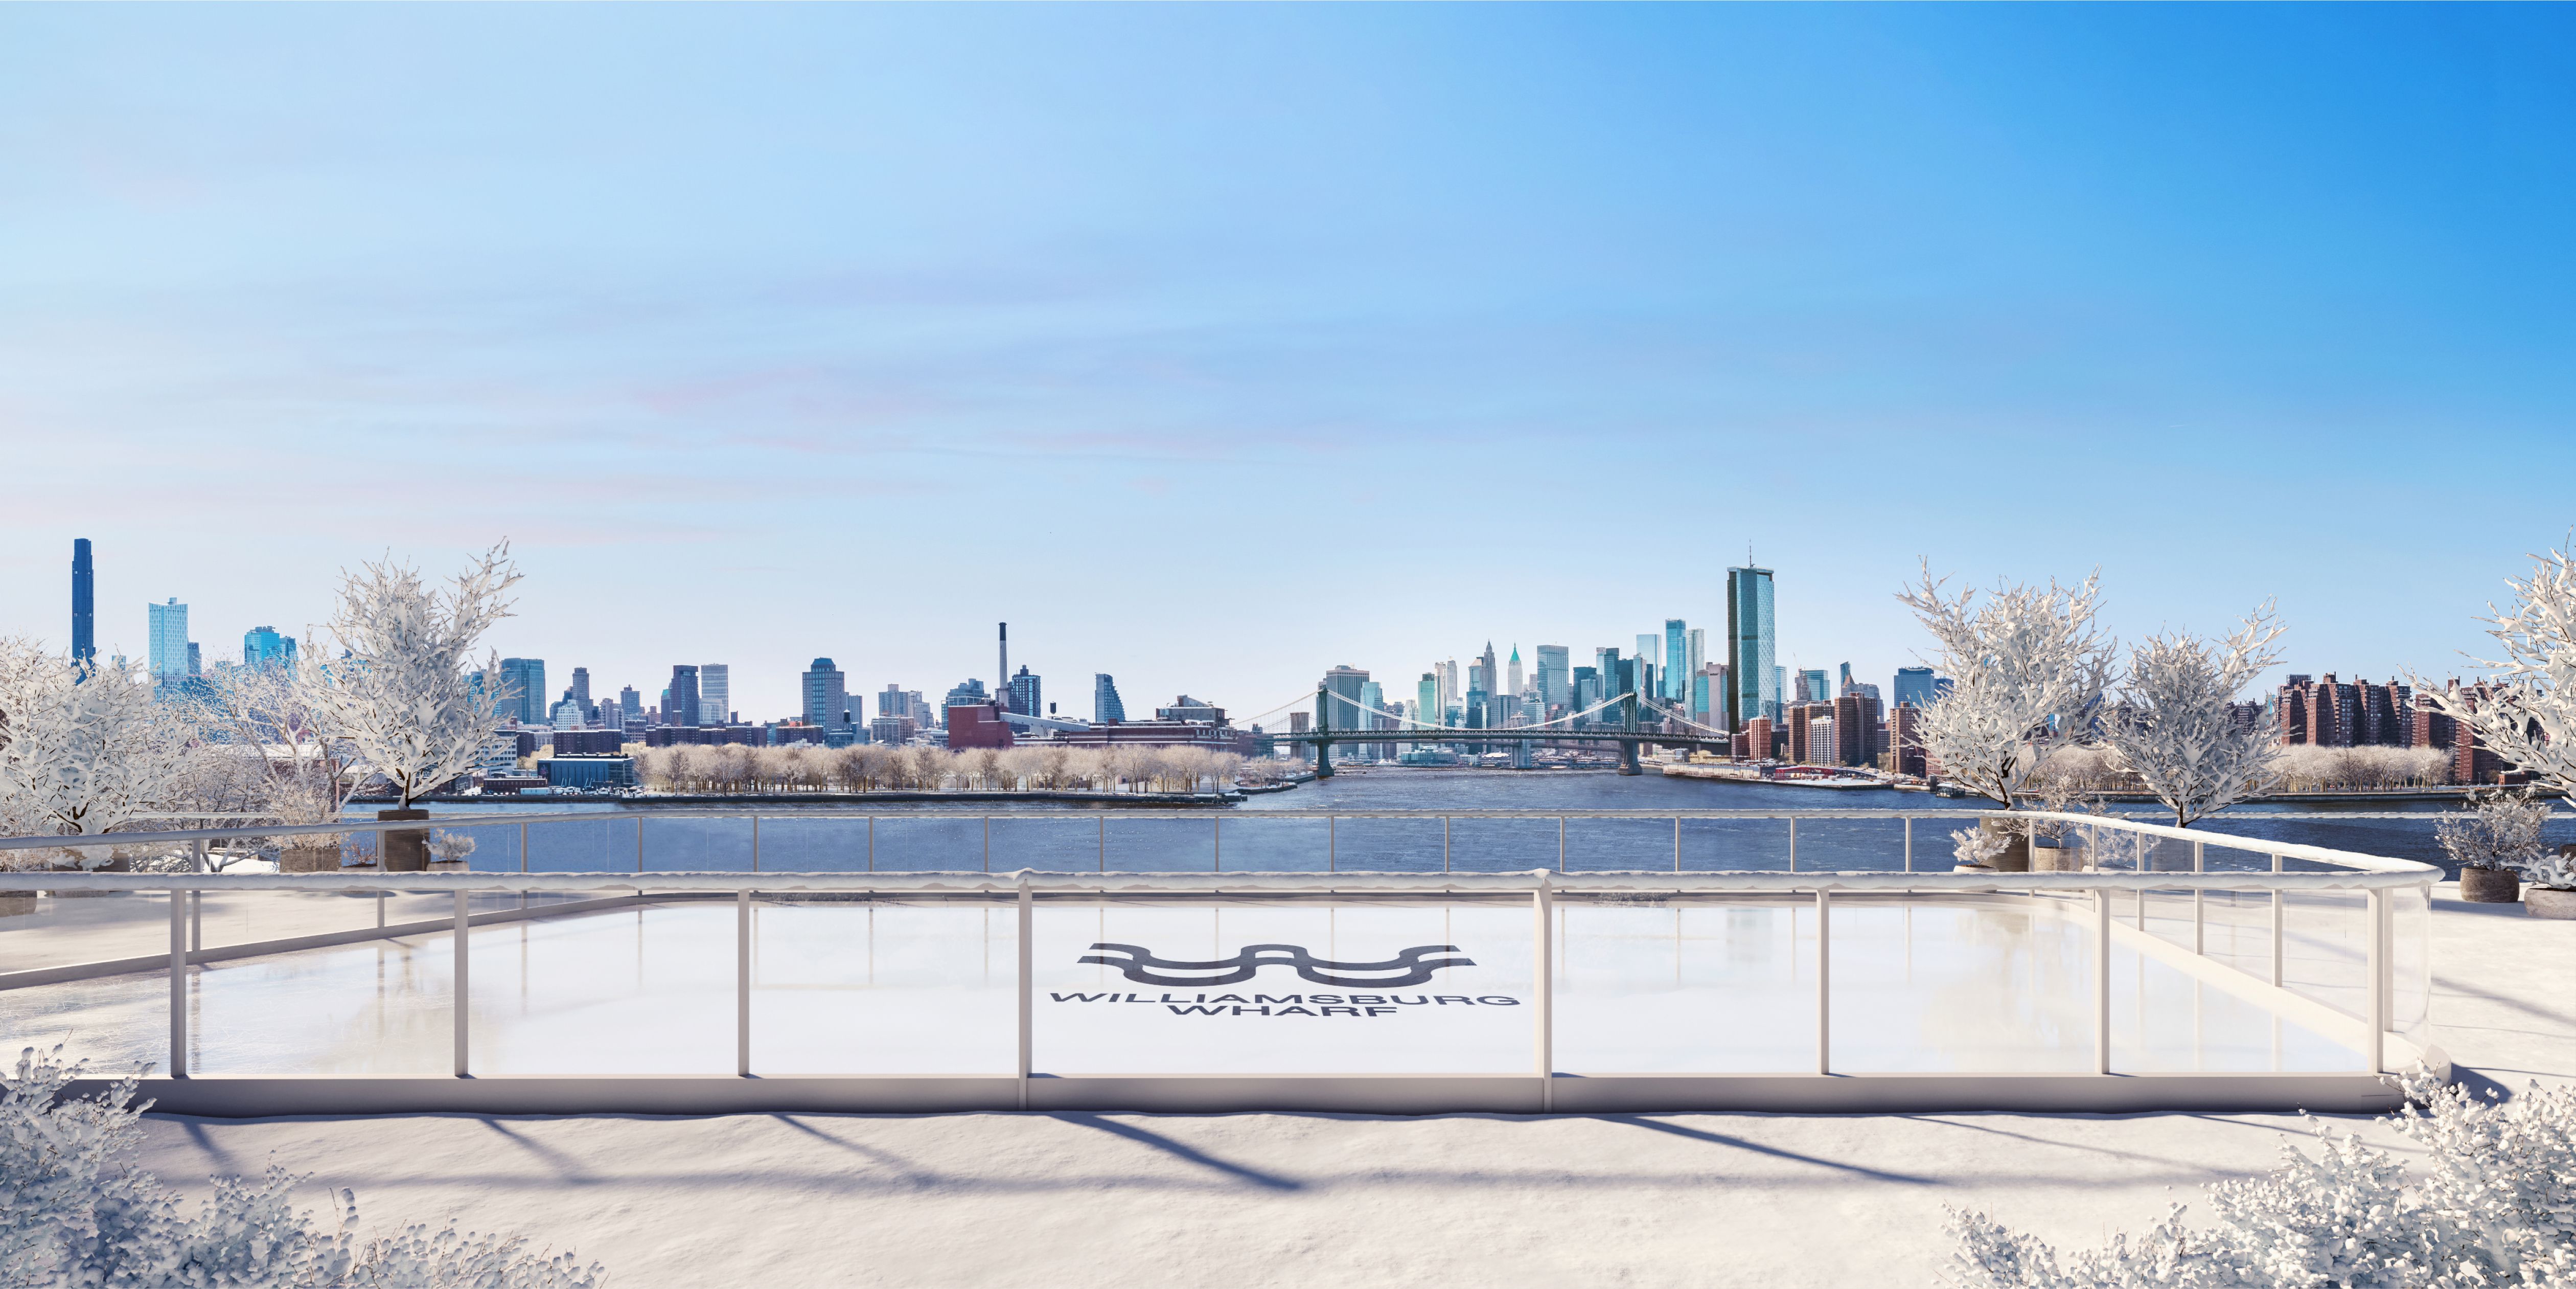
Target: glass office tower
{"x":1752,"y":641}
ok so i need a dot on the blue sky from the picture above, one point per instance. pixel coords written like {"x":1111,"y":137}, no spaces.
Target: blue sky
{"x":1213,"y":346}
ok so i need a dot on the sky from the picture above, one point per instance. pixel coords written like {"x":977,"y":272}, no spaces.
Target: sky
{"x":1213,"y":346}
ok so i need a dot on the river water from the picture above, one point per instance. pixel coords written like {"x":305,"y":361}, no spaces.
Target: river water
{"x":1258,"y":836}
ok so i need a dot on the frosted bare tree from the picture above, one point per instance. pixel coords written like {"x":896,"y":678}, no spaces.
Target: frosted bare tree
{"x":270,"y":718}
{"x":84,"y":749}
{"x":2175,"y":726}
{"x":2024,"y":664}
{"x":2526,"y":713}
{"x":401,"y":697}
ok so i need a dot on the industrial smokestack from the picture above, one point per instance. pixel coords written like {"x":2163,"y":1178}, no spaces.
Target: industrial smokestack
{"x":1002,"y":691}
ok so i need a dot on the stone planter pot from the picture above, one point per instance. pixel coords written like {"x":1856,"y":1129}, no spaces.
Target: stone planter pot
{"x":2057,"y":859}
{"x":2016,"y":856}
{"x":406,"y":850}
{"x":2489,"y":885}
{"x":2546,"y":902}
{"x":310,"y":859}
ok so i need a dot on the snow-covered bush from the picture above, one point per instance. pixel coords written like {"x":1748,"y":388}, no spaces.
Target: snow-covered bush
{"x":2494,"y":1204}
{"x":2026,"y":666}
{"x":2175,"y":726}
{"x":2526,"y":714}
{"x":2502,"y":831}
{"x":84,"y":749}
{"x":1978,"y":847}
{"x":77,"y":1209}
{"x":2552,"y":872}
{"x":401,"y":697}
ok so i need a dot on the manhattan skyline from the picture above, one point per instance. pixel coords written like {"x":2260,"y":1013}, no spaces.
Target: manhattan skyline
{"x":767,"y":335}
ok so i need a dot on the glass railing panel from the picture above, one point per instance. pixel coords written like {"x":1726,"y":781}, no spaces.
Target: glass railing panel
{"x":1363,"y":844}
{"x":2325,"y":948}
{"x":1736,"y":845}
{"x":644,"y":988}
{"x":930,"y":842}
{"x":796,"y":841}
{"x":1479,"y":845}
{"x":1162,"y":845}
{"x":1647,"y":984}
{"x":1259,"y":842}
{"x":2410,"y":962}
{"x":687,"y":845}
{"x":372,"y":1006}
{"x":1962,"y":984}
{"x":878,"y":985}
{"x":1865,"y":846}
{"x":116,"y":1022}
{"x":1594,"y":845}
{"x":1435,"y":1011}
{"x":1054,"y":844}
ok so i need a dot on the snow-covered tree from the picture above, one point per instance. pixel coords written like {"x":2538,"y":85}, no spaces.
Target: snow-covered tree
{"x":400,"y":696}
{"x":2025,"y":664}
{"x":2494,"y":1205}
{"x":2526,"y":713}
{"x":76,"y":1208}
{"x":85,"y":748}
{"x":2175,"y":726}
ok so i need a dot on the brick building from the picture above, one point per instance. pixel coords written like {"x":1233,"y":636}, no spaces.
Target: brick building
{"x":2333,"y":713}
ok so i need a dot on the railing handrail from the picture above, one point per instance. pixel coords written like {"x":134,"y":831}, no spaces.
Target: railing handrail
{"x":1520,"y":881}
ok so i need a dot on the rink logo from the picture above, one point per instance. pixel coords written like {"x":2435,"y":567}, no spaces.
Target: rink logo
{"x":1413,"y":966}
{"x":1317,"y":1005}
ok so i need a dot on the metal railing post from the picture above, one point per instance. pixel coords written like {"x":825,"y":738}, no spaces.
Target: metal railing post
{"x":1028,"y":991}
{"x":755,"y":843}
{"x":639,"y":846}
{"x":2374,"y":1040}
{"x":2101,"y":981}
{"x":461,"y":993}
{"x":1543,"y":983}
{"x":178,"y":984}
{"x":1332,"y":844}
{"x":1793,"y":843}
{"x":1824,"y":981}
{"x":1444,"y":840}
{"x":742,"y":982}
{"x":2279,"y":900}
{"x":1909,"y":843}
{"x":988,"y":843}
{"x":2199,"y":902}
{"x":197,"y":854}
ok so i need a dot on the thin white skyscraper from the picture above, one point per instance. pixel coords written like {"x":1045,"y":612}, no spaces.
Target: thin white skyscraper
{"x":1512,"y":673}
{"x":715,"y":693}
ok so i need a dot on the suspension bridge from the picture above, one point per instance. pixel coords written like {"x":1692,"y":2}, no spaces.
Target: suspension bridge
{"x":1629,"y":735}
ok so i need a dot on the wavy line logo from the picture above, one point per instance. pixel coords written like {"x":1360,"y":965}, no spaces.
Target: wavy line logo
{"x":1411,"y":967}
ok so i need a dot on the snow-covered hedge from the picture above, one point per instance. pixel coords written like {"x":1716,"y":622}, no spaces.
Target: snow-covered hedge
{"x":76,"y":1209}
{"x":2494,"y":1204}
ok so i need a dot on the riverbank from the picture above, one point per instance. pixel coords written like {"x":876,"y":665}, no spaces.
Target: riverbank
{"x":1159,"y":800}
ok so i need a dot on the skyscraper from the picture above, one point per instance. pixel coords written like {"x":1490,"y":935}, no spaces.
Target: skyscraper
{"x":84,"y":607}
{"x":527,"y":680}
{"x":1751,"y":643}
{"x":1427,"y":700}
{"x":169,"y":640}
{"x":715,"y":693}
{"x":1913,"y":687}
{"x":1488,"y":673}
{"x":1344,"y":683}
{"x":680,"y":706}
{"x":630,"y":705}
{"x":196,"y":665}
{"x":1512,"y":681}
{"x":1024,"y":693}
{"x":263,"y":647}
{"x":580,"y":691}
{"x":1448,"y":675}
{"x":1813,"y":687}
{"x":1555,"y":676}
{"x":1104,"y":699}
{"x":827,"y":695}
{"x":1677,"y":667}
{"x":1698,"y":641}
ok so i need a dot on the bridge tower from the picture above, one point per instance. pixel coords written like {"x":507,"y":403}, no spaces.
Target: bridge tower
{"x":1323,"y":729}
{"x":1628,"y":746}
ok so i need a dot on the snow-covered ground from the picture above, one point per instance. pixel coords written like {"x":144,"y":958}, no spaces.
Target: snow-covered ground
{"x":1148,"y":1200}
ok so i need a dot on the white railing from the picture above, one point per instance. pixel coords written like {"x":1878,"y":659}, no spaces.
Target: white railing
{"x":2090,"y":894}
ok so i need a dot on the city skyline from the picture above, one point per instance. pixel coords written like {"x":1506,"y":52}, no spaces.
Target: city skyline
{"x":1974,"y":285}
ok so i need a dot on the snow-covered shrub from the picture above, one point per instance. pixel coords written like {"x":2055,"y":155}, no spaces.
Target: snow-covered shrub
{"x":401,"y":697}
{"x":2527,"y":713}
{"x":2501,"y":831}
{"x":2551,"y":872}
{"x":85,"y":748}
{"x":77,"y":1209}
{"x":2175,"y":726}
{"x":2494,"y":1204}
{"x":1978,"y":847}
{"x":2024,"y":665}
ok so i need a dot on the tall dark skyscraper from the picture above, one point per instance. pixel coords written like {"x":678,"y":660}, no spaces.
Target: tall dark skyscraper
{"x":681,"y":707}
{"x":84,"y":623}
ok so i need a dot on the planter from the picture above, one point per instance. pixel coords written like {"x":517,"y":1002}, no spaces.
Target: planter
{"x":17,"y":903}
{"x":310,"y":859}
{"x":2489,"y":885}
{"x":2548,"y":902}
{"x":406,"y":850}
{"x":2057,"y":859}
{"x":2016,"y":856}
